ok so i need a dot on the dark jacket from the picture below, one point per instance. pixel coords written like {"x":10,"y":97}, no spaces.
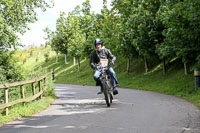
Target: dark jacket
{"x":103,"y":54}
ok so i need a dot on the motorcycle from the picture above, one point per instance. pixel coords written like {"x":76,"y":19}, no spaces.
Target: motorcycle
{"x":107,"y":87}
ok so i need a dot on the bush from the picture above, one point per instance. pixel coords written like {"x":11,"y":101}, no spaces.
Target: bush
{"x":9,"y":71}
{"x":24,"y":61}
{"x":46,"y":57}
{"x":31,"y":52}
{"x":36,"y":60}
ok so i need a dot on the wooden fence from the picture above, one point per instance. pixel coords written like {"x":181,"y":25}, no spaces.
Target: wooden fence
{"x":23,"y":98}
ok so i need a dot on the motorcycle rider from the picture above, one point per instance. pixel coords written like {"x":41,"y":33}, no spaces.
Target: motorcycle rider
{"x":103,"y":53}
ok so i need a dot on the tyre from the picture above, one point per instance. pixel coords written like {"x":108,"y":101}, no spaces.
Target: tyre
{"x":106,"y":93}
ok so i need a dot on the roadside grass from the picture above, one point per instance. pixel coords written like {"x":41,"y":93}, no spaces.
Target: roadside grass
{"x":18,"y":111}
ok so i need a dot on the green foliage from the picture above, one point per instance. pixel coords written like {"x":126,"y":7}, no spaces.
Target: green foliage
{"x":86,"y":7}
{"x":24,"y":61}
{"x":15,"y":15}
{"x":46,"y":57}
{"x":7,"y":36}
{"x":182,"y":30}
{"x":77,"y":38}
{"x":9,"y":70}
{"x":36,"y":60}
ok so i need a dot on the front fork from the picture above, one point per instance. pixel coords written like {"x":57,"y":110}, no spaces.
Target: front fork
{"x":106,"y":79}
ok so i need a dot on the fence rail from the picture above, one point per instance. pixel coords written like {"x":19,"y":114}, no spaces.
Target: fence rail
{"x":23,"y":98}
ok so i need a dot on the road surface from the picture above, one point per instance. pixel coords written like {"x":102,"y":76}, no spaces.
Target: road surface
{"x":78,"y":109}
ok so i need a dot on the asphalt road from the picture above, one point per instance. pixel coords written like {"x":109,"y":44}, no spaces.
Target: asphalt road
{"x":78,"y":109}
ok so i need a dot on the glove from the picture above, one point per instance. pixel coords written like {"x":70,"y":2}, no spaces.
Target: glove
{"x":95,"y":66}
{"x":99,"y":67}
{"x":111,"y":64}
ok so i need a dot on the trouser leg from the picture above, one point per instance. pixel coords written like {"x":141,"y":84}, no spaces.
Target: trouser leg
{"x":98,"y":82}
{"x":96,"y":77}
{"x":113,"y":77}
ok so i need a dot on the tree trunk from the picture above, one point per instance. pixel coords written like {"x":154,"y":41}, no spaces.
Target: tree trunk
{"x":146,"y":64}
{"x":74,"y":60}
{"x":186,"y":68}
{"x":79,"y":65}
{"x":128,"y":64}
{"x":56,"y":56}
{"x":65,"y":59}
{"x":164,"y":67}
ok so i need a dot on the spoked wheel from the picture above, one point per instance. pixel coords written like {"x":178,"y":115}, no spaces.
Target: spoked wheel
{"x":107,"y":95}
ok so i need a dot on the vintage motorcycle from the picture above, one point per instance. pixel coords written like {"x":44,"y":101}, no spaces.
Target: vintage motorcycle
{"x":107,"y":87}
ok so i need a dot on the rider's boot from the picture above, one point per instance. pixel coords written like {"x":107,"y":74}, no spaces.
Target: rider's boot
{"x":115,"y":91}
{"x":101,"y":91}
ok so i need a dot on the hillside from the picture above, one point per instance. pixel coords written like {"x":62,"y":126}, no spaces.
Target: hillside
{"x":174,"y":83}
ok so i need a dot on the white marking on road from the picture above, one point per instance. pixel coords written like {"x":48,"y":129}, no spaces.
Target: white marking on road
{"x":20,"y":126}
{"x":68,"y":127}
{"x":186,"y":129}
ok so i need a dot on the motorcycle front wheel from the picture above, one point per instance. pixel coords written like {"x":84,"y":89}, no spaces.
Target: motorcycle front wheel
{"x":108,"y":97}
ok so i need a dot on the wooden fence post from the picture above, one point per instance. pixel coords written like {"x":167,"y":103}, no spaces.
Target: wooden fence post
{"x":40,"y":88}
{"x":22,"y":93}
{"x":6,"y":99}
{"x":44,"y":81}
{"x":53,"y":75}
{"x":33,"y":88}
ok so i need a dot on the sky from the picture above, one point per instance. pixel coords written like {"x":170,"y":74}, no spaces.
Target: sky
{"x":35,"y":36}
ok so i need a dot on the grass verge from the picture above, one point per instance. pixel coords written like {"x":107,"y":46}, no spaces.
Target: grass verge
{"x":19,"y":111}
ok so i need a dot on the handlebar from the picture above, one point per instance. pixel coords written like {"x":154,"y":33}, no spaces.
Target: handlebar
{"x":101,"y":68}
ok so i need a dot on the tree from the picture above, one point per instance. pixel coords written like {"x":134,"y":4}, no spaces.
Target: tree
{"x":182,"y":33}
{"x":122,"y":29}
{"x":7,"y":36}
{"x":15,"y":15}
{"x":51,"y":40}
{"x":87,"y":21}
{"x":62,"y":35}
{"x":77,"y":38}
{"x":146,"y":28}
